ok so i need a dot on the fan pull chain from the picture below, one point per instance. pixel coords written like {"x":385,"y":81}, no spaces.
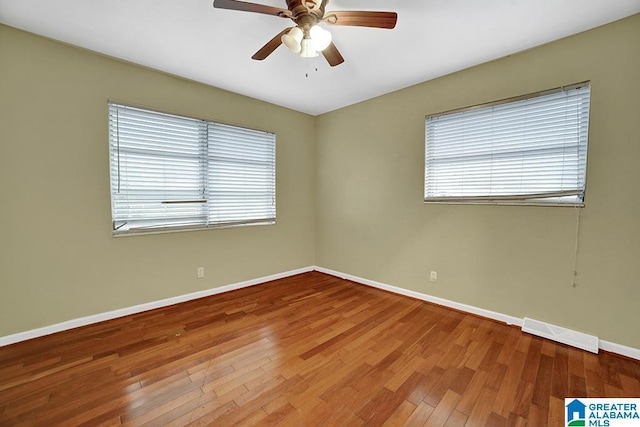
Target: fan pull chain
{"x":306,"y":74}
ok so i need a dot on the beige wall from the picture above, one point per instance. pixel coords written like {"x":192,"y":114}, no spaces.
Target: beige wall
{"x":58,"y":260}
{"x":349,"y":192}
{"x":372,"y":223}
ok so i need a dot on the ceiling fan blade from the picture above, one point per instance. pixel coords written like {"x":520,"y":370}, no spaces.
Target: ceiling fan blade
{"x":248,"y":7}
{"x":360,"y":18}
{"x":271,"y":45}
{"x":332,"y":55}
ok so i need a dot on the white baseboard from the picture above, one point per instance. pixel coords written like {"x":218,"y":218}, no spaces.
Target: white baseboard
{"x":623,"y":350}
{"x":633,"y":353}
{"x":101,"y":317}
{"x":509,"y":320}
{"x":612,"y":347}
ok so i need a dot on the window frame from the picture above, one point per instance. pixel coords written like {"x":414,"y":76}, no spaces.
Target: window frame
{"x":204,"y":177}
{"x":522,"y":199}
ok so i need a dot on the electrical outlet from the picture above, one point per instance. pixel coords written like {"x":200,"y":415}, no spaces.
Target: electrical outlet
{"x":433,"y":277}
{"x":200,"y":272}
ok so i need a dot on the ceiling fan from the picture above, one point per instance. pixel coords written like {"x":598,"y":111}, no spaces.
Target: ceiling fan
{"x":307,"y":38}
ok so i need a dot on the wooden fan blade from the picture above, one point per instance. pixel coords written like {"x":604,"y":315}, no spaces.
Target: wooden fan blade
{"x":332,"y":55}
{"x":249,"y":7}
{"x":359,"y":18}
{"x":271,"y":45}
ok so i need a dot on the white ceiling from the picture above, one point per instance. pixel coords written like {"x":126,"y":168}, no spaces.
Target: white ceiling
{"x":190,"y":38}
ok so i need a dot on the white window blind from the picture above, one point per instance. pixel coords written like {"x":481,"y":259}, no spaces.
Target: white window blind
{"x":241,"y":178}
{"x":530,"y":150}
{"x":170,"y":172}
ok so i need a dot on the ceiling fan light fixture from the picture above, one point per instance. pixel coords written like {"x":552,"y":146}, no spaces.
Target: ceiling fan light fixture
{"x":320,"y":38}
{"x":306,"y":38}
{"x":293,"y":40}
{"x":307,"y":50}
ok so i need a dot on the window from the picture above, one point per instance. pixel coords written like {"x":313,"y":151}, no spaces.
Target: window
{"x":171,"y":173}
{"x":526,"y":150}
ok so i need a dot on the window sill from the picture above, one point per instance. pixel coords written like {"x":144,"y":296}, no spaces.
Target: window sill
{"x":504,"y":203}
{"x":167,"y":230}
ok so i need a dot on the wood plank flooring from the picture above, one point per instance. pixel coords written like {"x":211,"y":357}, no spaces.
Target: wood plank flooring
{"x":309,"y":350}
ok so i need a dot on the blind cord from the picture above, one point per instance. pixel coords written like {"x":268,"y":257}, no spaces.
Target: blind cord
{"x":576,"y":249}
{"x":118,"y":139}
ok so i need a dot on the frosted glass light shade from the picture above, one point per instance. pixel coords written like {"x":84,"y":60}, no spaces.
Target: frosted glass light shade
{"x":307,"y":50}
{"x":320,"y":38}
{"x":292,"y":40}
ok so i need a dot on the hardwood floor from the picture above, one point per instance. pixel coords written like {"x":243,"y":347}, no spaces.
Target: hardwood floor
{"x":307,"y":350}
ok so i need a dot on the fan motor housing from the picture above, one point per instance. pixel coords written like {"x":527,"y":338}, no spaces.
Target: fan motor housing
{"x":301,"y":8}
